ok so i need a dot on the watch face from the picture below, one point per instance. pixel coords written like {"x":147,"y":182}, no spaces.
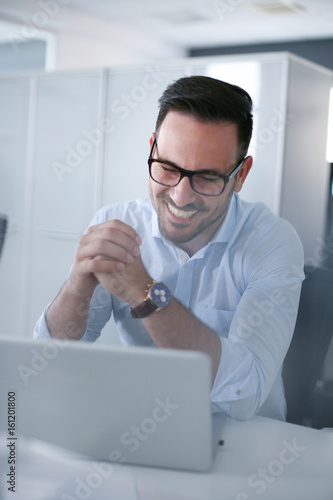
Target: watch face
{"x":160,"y":295}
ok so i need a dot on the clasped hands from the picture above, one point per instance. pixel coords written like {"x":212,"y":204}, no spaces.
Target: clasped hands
{"x":109,"y":253}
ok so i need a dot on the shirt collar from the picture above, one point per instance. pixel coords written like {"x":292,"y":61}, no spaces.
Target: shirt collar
{"x":154,"y":225}
{"x":224,"y":232}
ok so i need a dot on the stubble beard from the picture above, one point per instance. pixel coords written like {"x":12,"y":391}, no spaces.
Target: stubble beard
{"x":181,"y":234}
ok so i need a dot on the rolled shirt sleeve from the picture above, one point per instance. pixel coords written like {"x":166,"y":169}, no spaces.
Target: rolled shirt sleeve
{"x":249,"y":379}
{"x":100,"y":311}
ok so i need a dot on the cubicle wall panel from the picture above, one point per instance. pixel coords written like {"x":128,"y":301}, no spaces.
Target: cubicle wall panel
{"x":69,"y":143}
{"x":132,"y":109}
{"x":264,"y":180}
{"x":51,"y":263}
{"x":305,"y":186}
{"x":14,"y":116}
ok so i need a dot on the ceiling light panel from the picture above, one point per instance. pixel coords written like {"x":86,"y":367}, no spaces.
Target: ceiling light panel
{"x":281,"y":7}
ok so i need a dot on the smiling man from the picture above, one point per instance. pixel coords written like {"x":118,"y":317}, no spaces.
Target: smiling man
{"x":208,"y":152}
{"x":193,"y":267}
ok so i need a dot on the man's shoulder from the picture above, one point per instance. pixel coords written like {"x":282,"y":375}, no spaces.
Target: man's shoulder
{"x":261,"y":226}
{"x":258,"y":214}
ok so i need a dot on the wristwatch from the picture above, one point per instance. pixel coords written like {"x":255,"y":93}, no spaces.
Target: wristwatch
{"x":158,"y":297}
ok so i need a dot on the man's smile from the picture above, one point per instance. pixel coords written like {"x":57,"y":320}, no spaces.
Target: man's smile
{"x":181,"y":213}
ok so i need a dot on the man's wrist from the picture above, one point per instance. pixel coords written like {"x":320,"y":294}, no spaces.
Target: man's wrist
{"x":85,"y":292}
{"x":157,"y":297}
{"x":140,"y":293}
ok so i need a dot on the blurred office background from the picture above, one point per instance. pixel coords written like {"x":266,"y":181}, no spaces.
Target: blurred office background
{"x":71,"y":34}
{"x":79,"y":84}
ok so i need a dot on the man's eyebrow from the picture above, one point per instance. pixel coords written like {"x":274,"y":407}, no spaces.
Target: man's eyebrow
{"x":168,"y":162}
{"x":201,"y":171}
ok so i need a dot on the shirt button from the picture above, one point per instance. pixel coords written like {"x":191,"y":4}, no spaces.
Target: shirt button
{"x":186,"y":266}
{"x":238,"y":392}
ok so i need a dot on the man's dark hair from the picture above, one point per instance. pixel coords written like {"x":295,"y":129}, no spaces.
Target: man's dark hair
{"x":210,"y":101}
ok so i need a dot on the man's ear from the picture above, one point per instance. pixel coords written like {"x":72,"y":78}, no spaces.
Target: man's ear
{"x":243,"y":172}
{"x":151,"y":140}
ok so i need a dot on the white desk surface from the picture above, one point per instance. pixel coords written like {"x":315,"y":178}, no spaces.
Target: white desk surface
{"x":260,"y":459}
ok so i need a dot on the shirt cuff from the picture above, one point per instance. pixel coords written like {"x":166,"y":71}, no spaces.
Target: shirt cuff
{"x":235,"y":388}
{"x":41,"y":330}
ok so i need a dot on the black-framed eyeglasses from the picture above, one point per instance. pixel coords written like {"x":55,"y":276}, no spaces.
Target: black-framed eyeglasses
{"x":205,"y":182}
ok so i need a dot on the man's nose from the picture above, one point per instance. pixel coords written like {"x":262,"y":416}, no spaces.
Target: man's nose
{"x":182,"y":194}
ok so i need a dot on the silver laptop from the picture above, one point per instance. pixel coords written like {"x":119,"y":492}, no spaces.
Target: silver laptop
{"x":134,"y":405}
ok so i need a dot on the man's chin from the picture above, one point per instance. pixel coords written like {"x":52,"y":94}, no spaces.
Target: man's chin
{"x":177,"y":234}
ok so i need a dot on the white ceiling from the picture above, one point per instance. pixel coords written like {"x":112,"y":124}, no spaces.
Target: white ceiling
{"x":202,"y":23}
{"x":185,"y":24}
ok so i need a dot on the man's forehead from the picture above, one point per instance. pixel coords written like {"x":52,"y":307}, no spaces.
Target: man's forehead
{"x":181,"y":117}
{"x":183,"y":131}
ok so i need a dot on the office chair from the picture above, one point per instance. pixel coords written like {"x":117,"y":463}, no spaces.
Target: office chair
{"x":313,"y":333}
{"x":3,"y":227}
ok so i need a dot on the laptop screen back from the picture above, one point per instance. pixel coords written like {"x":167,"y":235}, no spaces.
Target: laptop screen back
{"x":131,"y":405}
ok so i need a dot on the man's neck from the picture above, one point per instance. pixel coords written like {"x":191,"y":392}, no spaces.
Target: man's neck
{"x":200,"y":241}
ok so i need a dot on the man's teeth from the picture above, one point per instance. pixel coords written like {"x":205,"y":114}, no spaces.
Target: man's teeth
{"x":182,"y":214}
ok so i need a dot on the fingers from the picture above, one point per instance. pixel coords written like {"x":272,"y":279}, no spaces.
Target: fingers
{"x":122,"y":251}
{"x":108,"y":246}
{"x":114,"y":226}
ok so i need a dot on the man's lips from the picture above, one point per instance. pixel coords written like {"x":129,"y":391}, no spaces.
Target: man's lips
{"x":181,"y":213}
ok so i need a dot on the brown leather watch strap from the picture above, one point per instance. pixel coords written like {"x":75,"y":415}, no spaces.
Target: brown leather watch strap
{"x":144,"y":309}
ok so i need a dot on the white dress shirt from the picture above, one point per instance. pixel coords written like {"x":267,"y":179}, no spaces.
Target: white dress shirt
{"x":244,"y":284}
